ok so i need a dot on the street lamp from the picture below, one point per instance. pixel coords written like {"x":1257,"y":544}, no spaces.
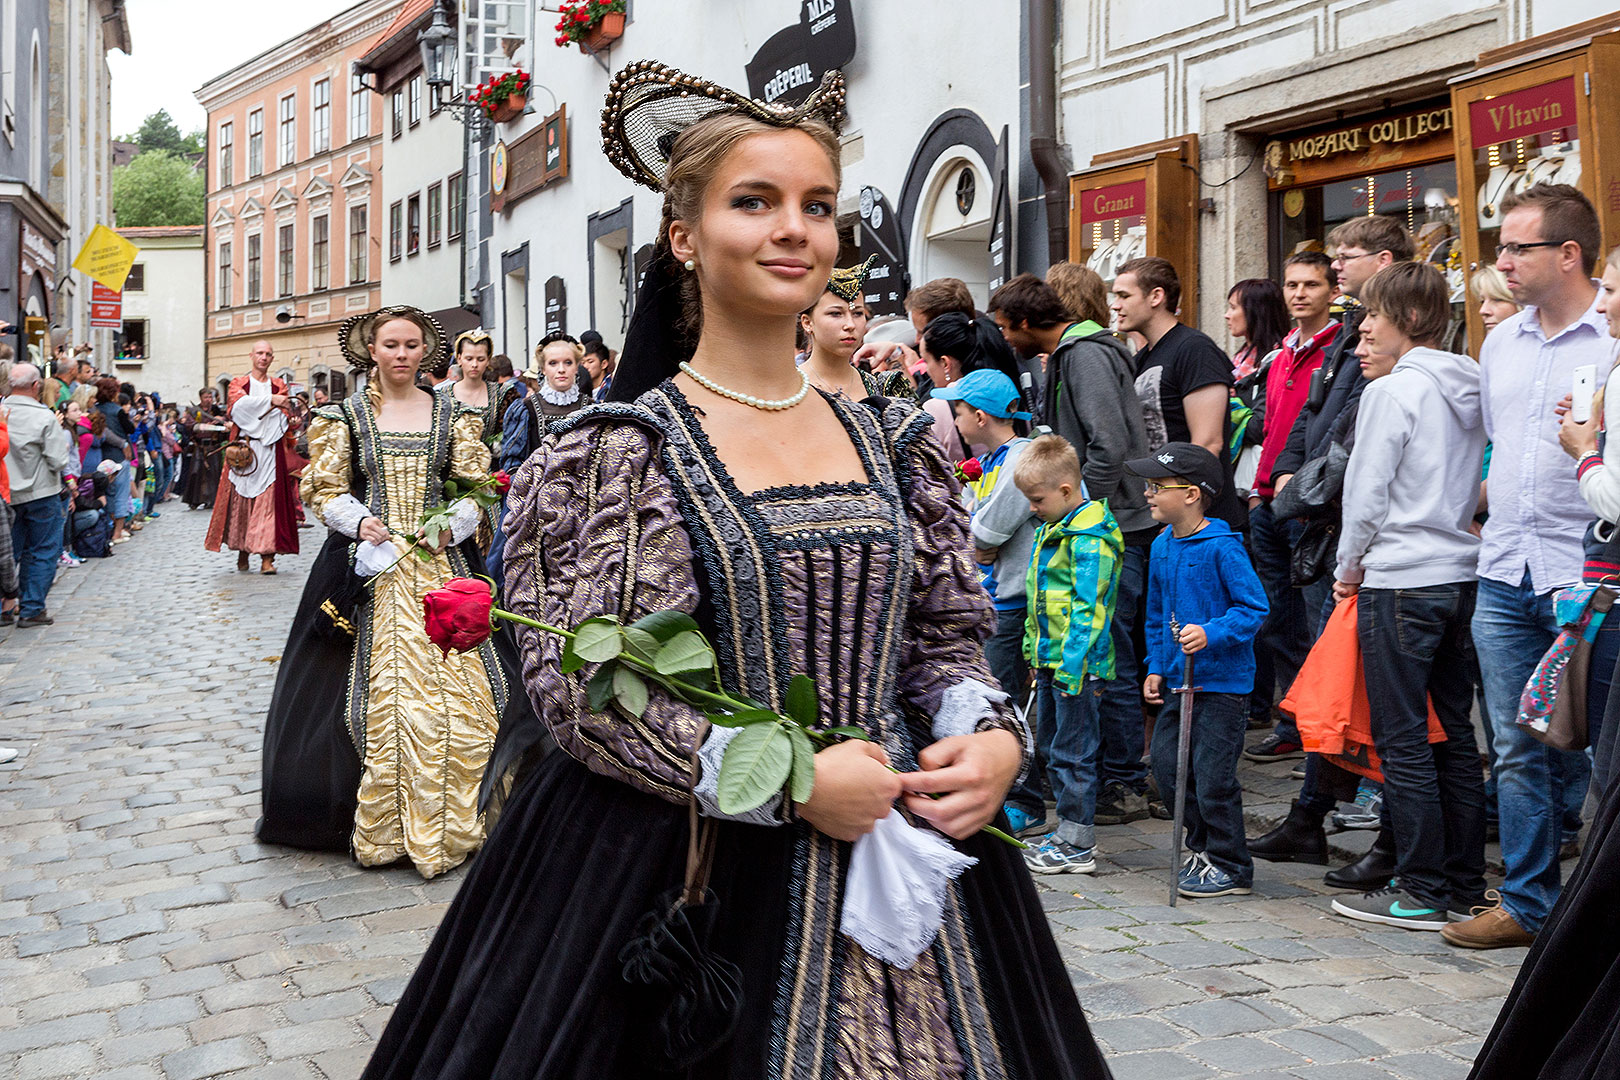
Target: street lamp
{"x":438,"y":45}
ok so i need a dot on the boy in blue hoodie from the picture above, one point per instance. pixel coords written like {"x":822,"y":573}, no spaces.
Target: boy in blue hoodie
{"x":1203,"y":597}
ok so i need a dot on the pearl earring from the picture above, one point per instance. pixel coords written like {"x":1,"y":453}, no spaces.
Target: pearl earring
{"x":690,"y":264}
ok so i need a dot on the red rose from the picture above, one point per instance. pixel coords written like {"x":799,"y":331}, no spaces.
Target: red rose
{"x":503,"y":482}
{"x":969,"y":470}
{"x":457,"y":614}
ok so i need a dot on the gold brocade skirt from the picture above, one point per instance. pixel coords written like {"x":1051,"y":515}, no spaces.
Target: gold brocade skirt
{"x":430,"y":721}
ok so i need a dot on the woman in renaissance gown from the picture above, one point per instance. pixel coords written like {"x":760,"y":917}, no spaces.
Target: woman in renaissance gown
{"x":806,"y":533}
{"x":375,"y":743}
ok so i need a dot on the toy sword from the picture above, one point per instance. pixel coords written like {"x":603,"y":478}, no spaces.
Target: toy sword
{"x":1183,"y":746}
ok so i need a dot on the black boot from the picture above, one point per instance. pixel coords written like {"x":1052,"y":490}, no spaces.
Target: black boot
{"x":1298,"y":839}
{"x":1374,"y":869}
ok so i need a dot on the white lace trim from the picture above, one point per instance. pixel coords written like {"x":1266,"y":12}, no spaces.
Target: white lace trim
{"x":708,"y":785}
{"x":464,"y":518}
{"x":344,"y":514}
{"x":963,"y":706}
{"x":559,"y":397}
{"x":894,"y":899}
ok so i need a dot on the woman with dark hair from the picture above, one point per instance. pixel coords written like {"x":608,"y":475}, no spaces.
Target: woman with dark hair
{"x":803,"y":532}
{"x":834,"y":327}
{"x":1257,"y":316}
{"x":121,"y":499}
{"x":953,"y":345}
{"x":375,"y":743}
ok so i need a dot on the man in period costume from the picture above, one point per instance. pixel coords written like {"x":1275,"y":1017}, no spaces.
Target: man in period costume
{"x":202,"y":442}
{"x":256,"y":509}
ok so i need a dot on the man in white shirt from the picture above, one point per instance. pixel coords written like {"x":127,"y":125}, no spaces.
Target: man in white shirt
{"x":256,"y":510}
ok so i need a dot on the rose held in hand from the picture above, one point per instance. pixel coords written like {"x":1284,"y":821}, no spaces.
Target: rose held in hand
{"x":969,"y":470}
{"x":503,"y":482}
{"x":458,"y":614}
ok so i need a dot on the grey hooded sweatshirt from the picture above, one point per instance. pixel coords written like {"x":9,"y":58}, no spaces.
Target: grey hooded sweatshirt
{"x":1412,"y":485}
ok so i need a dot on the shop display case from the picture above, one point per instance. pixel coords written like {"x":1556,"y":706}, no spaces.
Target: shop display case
{"x":1529,"y":114}
{"x":1138,"y":202}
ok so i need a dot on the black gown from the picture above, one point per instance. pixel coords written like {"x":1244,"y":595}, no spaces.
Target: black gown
{"x":868,"y":588}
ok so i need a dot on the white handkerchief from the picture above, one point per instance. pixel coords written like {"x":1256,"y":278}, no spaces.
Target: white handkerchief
{"x":372,"y":558}
{"x":894,"y":903}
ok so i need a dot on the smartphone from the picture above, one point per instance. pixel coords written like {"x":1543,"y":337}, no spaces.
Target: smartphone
{"x":1582,"y":386}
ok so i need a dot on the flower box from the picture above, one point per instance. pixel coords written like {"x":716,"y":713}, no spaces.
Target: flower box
{"x":609,"y":30}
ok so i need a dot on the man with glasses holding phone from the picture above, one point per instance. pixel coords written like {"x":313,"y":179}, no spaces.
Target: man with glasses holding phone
{"x":1532,"y":543}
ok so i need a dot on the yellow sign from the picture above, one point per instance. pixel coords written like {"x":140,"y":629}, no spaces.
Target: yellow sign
{"x":106,"y":257}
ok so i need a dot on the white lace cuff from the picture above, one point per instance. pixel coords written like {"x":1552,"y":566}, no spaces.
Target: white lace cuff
{"x":464,"y":518}
{"x":708,"y":785}
{"x":344,"y":514}
{"x":962,"y":706}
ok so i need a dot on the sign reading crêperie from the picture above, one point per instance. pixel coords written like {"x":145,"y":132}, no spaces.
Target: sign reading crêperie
{"x":1113,"y":202}
{"x":1534,"y":110}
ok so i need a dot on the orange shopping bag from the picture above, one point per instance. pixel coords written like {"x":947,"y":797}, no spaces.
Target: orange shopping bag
{"x":1329,"y":699}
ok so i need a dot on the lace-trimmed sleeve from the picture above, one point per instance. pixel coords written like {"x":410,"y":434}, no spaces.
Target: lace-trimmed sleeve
{"x":593,"y":529}
{"x":326,"y":478}
{"x":943,"y":672}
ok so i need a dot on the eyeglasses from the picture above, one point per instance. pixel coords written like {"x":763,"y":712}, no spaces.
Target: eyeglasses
{"x":1342,"y":258}
{"x":1515,"y":250}
{"x":1153,"y":489}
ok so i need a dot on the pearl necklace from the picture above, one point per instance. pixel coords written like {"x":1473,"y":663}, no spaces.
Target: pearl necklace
{"x":749,"y":399}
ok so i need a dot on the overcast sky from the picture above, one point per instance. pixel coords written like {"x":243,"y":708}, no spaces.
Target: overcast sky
{"x":181,"y":44}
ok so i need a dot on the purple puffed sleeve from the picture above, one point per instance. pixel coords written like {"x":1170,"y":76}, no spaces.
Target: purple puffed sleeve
{"x":593,"y":529}
{"x":943,"y":671}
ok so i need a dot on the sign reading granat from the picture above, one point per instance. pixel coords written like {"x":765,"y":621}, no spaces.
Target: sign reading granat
{"x":1113,"y":202}
{"x":792,"y":61}
{"x":1534,"y":110}
{"x":1366,"y":136}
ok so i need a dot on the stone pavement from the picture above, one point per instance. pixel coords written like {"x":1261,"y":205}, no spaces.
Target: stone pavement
{"x":144,"y":935}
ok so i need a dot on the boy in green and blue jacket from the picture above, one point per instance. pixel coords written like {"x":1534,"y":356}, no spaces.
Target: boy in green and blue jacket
{"x":1070,"y":589}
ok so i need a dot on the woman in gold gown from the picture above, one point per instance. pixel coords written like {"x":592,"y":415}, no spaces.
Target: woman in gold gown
{"x":375,"y":742}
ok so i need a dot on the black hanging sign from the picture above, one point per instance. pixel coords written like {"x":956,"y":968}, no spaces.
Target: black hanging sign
{"x":556,"y":306}
{"x":889,"y":281}
{"x":792,"y":61}
{"x":1001,"y":222}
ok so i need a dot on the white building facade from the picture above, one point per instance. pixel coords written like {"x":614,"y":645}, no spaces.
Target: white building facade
{"x":423,"y":188}
{"x":164,"y":312}
{"x":935,"y":100}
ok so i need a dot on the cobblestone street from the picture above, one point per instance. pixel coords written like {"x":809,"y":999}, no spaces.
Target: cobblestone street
{"x":144,"y":935}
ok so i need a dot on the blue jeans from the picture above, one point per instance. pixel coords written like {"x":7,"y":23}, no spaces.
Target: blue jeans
{"x":1004,"y":652}
{"x":1415,"y":650}
{"x":1285,"y":636}
{"x":1066,"y":736}
{"x":1214,"y":799}
{"x":36,"y":543}
{"x":1513,"y":628}
{"x":85,"y":519}
{"x":1120,"y":712}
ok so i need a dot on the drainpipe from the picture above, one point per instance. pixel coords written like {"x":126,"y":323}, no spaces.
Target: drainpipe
{"x":1044,"y":149}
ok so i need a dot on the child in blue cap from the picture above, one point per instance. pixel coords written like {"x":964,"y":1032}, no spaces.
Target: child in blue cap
{"x":985,"y":404}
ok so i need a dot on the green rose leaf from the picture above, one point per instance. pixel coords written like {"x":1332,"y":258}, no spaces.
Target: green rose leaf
{"x":641,"y":643}
{"x":571,"y":660}
{"x":755,"y":767}
{"x":664,"y":625}
{"x":845,"y":731}
{"x":804,"y":765}
{"x":629,"y":691}
{"x":423,"y":553}
{"x":599,"y":691}
{"x":686,"y":651}
{"x":451,"y":489}
{"x":598,"y":640}
{"x":745,"y":718}
{"x":801,"y":700}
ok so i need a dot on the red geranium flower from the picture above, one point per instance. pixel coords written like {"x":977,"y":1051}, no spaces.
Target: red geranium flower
{"x":457,"y":614}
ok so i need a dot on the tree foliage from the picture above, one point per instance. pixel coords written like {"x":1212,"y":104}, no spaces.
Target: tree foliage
{"x":157,"y":188}
{"x":159,"y":132}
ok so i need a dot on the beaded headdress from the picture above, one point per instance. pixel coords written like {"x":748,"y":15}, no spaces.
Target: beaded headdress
{"x":476,"y":335}
{"x":356,"y":329}
{"x":649,"y":104}
{"x":847,"y":282}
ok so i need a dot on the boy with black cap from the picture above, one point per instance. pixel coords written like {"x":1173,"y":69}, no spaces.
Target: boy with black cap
{"x":1203,"y":597}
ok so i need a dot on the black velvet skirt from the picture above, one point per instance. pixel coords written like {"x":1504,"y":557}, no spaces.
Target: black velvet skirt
{"x":199,"y":480}
{"x":1558,"y":1022}
{"x":523,"y":979}
{"x":311,"y":779}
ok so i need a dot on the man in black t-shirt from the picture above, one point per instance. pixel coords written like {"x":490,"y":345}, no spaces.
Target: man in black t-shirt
{"x":1183,"y":378}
